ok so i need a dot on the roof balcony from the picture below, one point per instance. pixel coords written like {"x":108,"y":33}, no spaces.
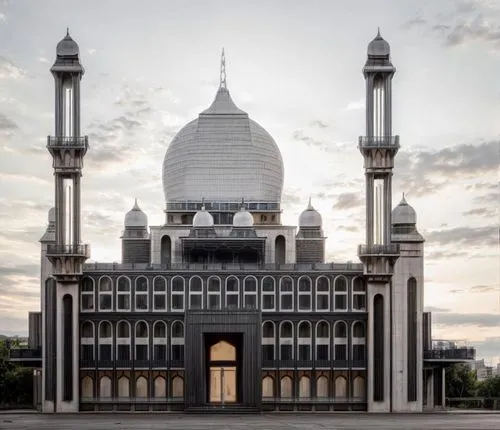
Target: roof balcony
{"x":378,"y":142}
{"x":446,"y":351}
{"x":60,"y":142}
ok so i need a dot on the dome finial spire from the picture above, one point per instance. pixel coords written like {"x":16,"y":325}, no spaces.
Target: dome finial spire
{"x":223,"y":70}
{"x":136,"y":206}
{"x":67,"y":31}
{"x":378,"y":32}
{"x":309,"y":205}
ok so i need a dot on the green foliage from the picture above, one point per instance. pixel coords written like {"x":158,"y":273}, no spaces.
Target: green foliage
{"x":460,"y":381}
{"x":16,"y":383}
{"x":489,"y":387}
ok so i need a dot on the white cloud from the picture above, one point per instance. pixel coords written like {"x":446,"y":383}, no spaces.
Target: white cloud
{"x":355,"y":105}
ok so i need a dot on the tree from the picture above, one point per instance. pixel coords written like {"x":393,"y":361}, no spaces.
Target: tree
{"x":489,"y":387}
{"x":460,"y":381}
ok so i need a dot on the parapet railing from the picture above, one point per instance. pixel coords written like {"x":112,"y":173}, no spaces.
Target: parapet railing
{"x":67,"y":141}
{"x":25,"y":353}
{"x":379,"y":141}
{"x":465,"y":353}
{"x":96,"y":266}
{"x":389,"y":249}
{"x":55,"y":249}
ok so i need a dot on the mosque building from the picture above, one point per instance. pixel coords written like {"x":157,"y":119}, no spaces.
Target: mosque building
{"x":223,"y":307}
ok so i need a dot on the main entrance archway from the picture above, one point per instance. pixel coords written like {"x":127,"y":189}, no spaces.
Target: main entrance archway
{"x":222,"y":369}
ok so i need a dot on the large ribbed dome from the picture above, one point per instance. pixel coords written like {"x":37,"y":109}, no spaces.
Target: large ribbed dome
{"x":223,"y":155}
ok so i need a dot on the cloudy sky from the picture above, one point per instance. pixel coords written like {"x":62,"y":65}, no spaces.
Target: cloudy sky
{"x":295,"y":67}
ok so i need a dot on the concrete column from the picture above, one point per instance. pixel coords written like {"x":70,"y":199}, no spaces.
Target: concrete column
{"x":430,"y":389}
{"x":72,"y":405}
{"x":443,"y":387}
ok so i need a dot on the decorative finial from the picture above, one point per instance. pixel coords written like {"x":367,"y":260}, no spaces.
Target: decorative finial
{"x":203,"y":203}
{"x":378,"y":32}
{"x":309,"y":205}
{"x":223,"y":70}
{"x":403,"y":200}
{"x":67,"y":31}
{"x":243,"y":203}
{"x":136,"y":206}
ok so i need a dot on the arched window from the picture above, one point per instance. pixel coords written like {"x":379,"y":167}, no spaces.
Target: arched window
{"x":87,"y":338}
{"x":322,"y":294}
{"x":141,"y":387}
{"x":322,"y":341}
{"x":286,"y":340}
{"x":340,"y":296}
{"x":160,"y":387}
{"x":358,"y":344}
{"x":123,"y":342}
{"x":195,"y":293}
{"x":177,"y":300}
{"x":268,"y":340}
{"x":305,"y":291}
{"x":105,"y":387}
{"x":340,"y":387}
{"x":358,"y":388}
{"x":304,"y":341}
{"x":105,"y":293}
{"x":213,"y":293}
{"x":159,"y":294}
{"x":286,"y":294}
{"x":87,"y":295}
{"x":87,"y":388}
{"x":411,"y":339}
{"x":322,"y":387}
{"x":123,"y":387}
{"x":123,"y":294}
{"x":105,"y":341}
{"x":286,"y":387}
{"x":177,"y":387}
{"x":267,"y":387}
{"x":177,"y":353}
{"x":280,"y":250}
{"x":358,"y":294}
{"x":268,"y":294}
{"x":232,"y":292}
{"x":141,"y":294}
{"x":304,"y":387}
{"x":166,"y":251}
{"x":160,"y":341}
{"x":141,"y":341}
{"x":340,"y":342}
{"x":250,"y":292}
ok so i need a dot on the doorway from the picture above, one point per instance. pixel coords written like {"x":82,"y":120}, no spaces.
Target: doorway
{"x":222,"y":369}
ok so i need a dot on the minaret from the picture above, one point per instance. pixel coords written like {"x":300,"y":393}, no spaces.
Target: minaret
{"x":379,"y":148}
{"x":67,"y":254}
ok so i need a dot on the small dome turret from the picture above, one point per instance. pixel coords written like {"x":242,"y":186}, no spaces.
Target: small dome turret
{"x":310,"y":218}
{"x":67,"y":47}
{"x":403,"y":214}
{"x":379,"y":47}
{"x":136,"y":218}
{"x":203,"y":218}
{"x":243,"y":218}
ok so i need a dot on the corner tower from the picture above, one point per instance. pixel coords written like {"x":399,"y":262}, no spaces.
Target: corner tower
{"x":379,"y":148}
{"x":67,"y":254}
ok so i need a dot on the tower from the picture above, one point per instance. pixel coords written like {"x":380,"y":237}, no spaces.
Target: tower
{"x":407,"y":321}
{"x":310,"y":241}
{"x":67,"y":254}
{"x":136,"y":244}
{"x":378,"y":255}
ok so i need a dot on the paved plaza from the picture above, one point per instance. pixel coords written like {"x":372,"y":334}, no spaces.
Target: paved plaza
{"x":442,"y":421}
